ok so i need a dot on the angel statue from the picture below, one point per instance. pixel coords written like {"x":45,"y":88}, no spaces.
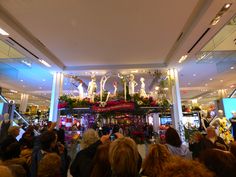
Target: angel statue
{"x":142,"y":91}
{"x":132,"y":84}
{"x":92,"y":87}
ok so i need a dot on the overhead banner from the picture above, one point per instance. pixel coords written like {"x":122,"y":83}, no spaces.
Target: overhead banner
{"x":122,"y":106}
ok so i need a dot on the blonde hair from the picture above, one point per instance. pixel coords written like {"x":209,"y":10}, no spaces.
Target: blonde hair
{"x":157,"y":156}
{"x":90,"y":136}
{"x":50,"y":165}
{"x":179,"y":167}
{"x":123,"y":156}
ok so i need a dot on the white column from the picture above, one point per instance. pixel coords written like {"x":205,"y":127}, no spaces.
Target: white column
{"x":156,"y":122}
{"x":56,"y":92}
{"x":176,"y":99}
{"x":23,"y":102}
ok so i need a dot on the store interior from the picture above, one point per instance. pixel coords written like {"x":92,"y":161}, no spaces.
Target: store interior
{"x":198,"y":39}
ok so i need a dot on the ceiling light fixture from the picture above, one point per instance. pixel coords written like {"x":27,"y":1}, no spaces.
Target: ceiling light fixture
{"x":44,"y":80}
{"x":221,"y":81}
{"x":14,"y":91}
{"x":220,"y":14}
{"x":231,"y":67}
{"x":206,"y":84}
{"x":194,"y":75}
{"x":4,"y":33}
{"x":21,"y":80}
{"x":183,"y":58}
{"x":227,"y":5}
{"x":26,"y":63}
{"x":211,"y":79}
{"x":189,"y":83}
{"x":44,"y":63}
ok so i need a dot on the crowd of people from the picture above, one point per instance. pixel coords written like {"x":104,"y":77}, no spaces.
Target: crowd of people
{"x":46,"y":155}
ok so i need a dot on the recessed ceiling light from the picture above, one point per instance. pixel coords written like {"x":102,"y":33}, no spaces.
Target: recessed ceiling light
{"x":44,"y":63}
{"x":21,"y":80}
{"x":184,"y":57}
{"x":231,"y":67}
{"x":206,"y":84}
{"x":40,"y":87}
{"x":221,"y":81}
{"x":4,"y":33}
{"x":227,"y":5}
{"x":189,"y":83}
{"x":44,"y":80}
{"x":194,"y":75}
{"x":211,"y":79}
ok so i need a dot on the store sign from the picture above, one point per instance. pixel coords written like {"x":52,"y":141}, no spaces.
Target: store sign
{"x":126,"y":106}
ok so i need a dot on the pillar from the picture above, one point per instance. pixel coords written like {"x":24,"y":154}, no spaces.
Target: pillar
{"x":156,"y":122}
{"x":56,"y":93}
{"x":176,"y":99}
{"x":23,"y":102}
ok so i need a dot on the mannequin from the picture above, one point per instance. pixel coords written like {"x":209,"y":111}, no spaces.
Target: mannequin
{"x":222,"y":124}
{"x":132,"y":85}
{"x":142,"y":89}
{"x":92,"y":86}
{"x":206,"y":119}
{"x":81,"y":91}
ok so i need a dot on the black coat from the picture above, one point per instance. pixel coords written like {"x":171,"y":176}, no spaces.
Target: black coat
{"x":83,"y":163}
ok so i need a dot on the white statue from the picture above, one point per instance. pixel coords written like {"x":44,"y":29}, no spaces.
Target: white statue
{"x":81,"y":91}
{"x":115,"y":88}
{"x":92,"y":87}
{"x":132,"y":84}
{"x":142,"y":91}
{"x":102,"y":85}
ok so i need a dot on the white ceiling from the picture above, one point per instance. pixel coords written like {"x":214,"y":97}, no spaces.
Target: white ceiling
{"x":82,"y":36}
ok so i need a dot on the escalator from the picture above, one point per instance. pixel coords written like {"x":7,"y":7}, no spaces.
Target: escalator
{"x":233,"y":94}
{"x":18,"y":119}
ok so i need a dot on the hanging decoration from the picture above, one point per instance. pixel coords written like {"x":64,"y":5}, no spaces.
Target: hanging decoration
{"x":128,"y":99}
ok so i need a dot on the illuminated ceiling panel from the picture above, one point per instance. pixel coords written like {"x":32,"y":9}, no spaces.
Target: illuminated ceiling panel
{"x":7,"y":51}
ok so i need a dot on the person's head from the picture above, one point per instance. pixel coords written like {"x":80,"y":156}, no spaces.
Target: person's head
{"x":27,"y":142}
{"x":220,"y":113}
{"x":90,"y":136}
{"x":48,"y":140}
{"x":180,"y":167}
{"x":232,"y":148}
{"x":172,"y":137}
{"x":222,"y":163}
{"x":14,"y":131}
{"x":6,"y":116}
{"x":102,"y":167}
{"x":211,"y":132}
{"x":157,"y":156}
{"x":10,"y":150}
{"x":17,"y":170}
{"x":49,"y":166}
{"x":124,"y":156}
{"x":233,"y":114}
{"x":5,"y":171}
